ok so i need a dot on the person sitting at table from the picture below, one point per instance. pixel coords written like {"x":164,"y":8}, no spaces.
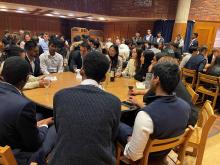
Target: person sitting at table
{"x":32,"y":53}
{"x":214,"y":69}
{"x":32,"y":82}
{"x":199,"y":61}
{"x":86,"y":125}
{"x":146,"y":59}
{"x":18,"y":126}
{"x":134,"y":63}
{"x":115,"y":60}
{"x":76,"y":56}
{"x":180,"y":91}
{"x":165,"y":117}
{"x":51,"y":61}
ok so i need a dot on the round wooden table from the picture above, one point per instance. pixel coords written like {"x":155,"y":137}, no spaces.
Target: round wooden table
{"x":44,"y":96}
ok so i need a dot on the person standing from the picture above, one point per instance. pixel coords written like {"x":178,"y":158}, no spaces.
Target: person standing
{"x":44,"y":42}
{"x":194,"y":42}
{"x":149,"y":37}
{"x":159,"y":38}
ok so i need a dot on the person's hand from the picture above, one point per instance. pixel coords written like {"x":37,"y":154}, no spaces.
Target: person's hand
{"x":47,"y":121}
{"x":129,"y":139}
{"x":118,"y":74}
{"x":133,"y":100}
{"x":132,"y":92}
{"x":41,"y":83}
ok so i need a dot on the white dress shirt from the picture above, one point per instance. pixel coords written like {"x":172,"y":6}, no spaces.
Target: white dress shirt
{"x":143,"y":127}
{"x":51,"y":64}
{"x":91,"y":82}
{"x":185,"y":60}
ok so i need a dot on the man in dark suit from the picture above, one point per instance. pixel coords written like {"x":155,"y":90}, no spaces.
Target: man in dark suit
{"x":194,"y":42}
{"x":6,"y":39}
{"x":18,"y":126}
{"x":76,"y":56}
{"x":149,"y":37}
{"x":32,"y":57}
{"x":199,"y":61}
{"x":86,"y":118}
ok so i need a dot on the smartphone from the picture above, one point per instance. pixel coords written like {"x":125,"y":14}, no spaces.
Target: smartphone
{"x":127,"y":104}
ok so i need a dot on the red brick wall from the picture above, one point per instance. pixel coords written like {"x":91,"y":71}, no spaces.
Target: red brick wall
{"x":205,"y":10}
{"x":161,"y":9}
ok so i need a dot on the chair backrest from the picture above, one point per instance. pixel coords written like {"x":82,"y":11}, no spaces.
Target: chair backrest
{"x":6,"y":156}
{"x":192,"y":93}
{"x":208,"y":79}
{"x":155,"y":145}
{"x":205,"y":113}
{"x":185,"y":73}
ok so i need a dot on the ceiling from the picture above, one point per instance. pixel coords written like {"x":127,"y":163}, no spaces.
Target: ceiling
{"x":65,"y":14}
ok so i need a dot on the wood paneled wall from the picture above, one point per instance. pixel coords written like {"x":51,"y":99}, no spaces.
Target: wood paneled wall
{"x":207,"y":32}
{"x":126,"y":29}
{"x":36,"y":24}
{"x":89,"y":6}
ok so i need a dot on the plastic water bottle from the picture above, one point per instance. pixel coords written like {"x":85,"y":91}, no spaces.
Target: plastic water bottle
{"x":148,"y":80}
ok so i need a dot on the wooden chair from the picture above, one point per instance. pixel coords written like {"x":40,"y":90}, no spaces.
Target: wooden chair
{"x":193,"y":94}
{"x":155,"y":145}
{"x":187,"y":73}
{"x":199,"y":137}
{"x":7,"y":157}
{"x":207,"y":80}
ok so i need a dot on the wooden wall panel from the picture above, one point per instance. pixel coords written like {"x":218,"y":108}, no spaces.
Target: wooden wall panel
{"x":126,"y":29}
{"x":36,"y":24}
{"x":207,"y":32}
{"x":89,"y":6}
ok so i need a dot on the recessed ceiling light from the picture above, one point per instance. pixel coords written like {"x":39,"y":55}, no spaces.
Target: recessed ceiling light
{"x":22,"y":9}
{"x":70,"y":15}
{"x":56,"y":13}
{"x":50,"y":15}
{"x":3,"y":7}
{"x":3,"y":10}
{"x":79,"y":18}
{"x":102,"y":19}
{"x":19,"y":11}
{"x":62,"y":16}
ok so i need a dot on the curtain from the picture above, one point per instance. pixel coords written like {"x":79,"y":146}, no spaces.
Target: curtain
{"x":165,"y":27}
{"x":189,"y":31}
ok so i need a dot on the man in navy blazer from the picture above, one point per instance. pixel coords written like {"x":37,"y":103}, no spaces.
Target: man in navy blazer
{"x":18,"y":126}
{"x":149,"y":37}
{"x":194,"y":42}
{"x":32,"y":57}
{"x":76,"y":56}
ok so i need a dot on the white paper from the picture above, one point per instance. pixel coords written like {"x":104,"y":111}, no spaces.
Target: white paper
{"x":51,"y":78}
{"x":140,"y":85}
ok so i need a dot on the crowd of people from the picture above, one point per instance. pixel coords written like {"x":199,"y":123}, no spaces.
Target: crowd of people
{"x":87,"y":121}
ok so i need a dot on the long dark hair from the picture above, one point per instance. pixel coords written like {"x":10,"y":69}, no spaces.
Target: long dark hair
{"x":114,"y":60}
{"x":148,"y":57}
{"x":137,"y":62}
